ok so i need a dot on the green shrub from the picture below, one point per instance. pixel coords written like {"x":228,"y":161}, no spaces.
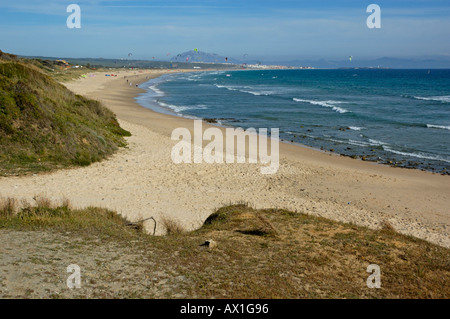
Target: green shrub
{"x":45,"y":126}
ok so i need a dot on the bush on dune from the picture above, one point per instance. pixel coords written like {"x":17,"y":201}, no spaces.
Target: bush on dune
{"x":44,"y":126}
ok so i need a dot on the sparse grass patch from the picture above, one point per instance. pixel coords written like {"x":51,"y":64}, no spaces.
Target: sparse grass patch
{"x":221,"y":215}
{"x":319,"y":258}
{"x":259,"y":254}
{"x":46,"y":215}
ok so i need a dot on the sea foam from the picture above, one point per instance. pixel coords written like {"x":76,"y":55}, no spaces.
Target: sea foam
{"x":329,"y":104}
{"x":182,"y":108}
{"x":442,"y":127}
{"x":437,"y":158}
{"x":356,"y":128}
{"x":249,"y":90}
{"x":443,"y":99}
{"x":156,"y":90}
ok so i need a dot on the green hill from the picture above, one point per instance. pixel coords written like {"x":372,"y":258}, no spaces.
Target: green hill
{"x":44,"y":126}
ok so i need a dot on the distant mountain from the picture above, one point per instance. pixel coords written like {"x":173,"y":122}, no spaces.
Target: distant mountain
{"x":202,"y":57}
{"x":196,"y":58}
{"x":126,"y":63}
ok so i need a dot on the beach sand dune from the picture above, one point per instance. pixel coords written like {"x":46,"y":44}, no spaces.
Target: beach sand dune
{"x":141,"y":181}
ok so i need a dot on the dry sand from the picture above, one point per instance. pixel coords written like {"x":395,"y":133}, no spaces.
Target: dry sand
{"x":142,"y":181}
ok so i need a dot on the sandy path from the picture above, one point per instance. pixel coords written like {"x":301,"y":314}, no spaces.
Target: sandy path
{"x":141,"y":181}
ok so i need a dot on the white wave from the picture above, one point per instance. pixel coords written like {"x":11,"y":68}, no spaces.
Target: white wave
{"x":377,"y":143}
{"x":330,"y":104}
{"x":194,"y":77}
{"x":225,"y":87}
{"x":267,"y":93}
{"x":436,"y":158}
{"x":443,"y":99}
{"x":240,"y":89}
{"x":438,"y":126}
{"x":358,"y":143}
{"x":179,"y":109}
{"x":156,"y":90}
{"x":258,"y":90}
{"x":351,"y":142}
{"x":298,"y":134}
{"x":215,"y":72}
{"x":356,"y":128}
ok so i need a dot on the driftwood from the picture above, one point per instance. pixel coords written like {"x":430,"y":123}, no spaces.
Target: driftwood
{"x":138,"y":225}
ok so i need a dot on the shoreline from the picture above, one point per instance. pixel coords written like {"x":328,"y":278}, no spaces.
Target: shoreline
{"x":394,"y":158}
{"x":309,"y":180}
{"x":287,"y":144}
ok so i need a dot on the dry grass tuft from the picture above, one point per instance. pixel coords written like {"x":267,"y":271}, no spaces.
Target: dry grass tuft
{"x":387,"y":226}
{"x":8,"y":207}
{"x":66,"y":203}
{"x":43,"y":202}
{"x":172,"y":227}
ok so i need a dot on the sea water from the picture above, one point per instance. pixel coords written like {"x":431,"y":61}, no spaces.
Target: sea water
{"x":396,"y":117}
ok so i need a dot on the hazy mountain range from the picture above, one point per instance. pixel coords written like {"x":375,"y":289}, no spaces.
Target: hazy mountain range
{"x":203,"y":57}
{"x":193,"y":58}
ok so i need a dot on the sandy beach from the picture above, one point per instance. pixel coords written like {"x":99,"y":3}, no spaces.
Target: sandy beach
{"x":141,"y":181}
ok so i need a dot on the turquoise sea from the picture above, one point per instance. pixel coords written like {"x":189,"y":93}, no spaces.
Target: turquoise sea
{"x":396,"y":117}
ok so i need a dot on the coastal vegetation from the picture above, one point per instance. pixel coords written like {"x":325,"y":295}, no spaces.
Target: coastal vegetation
{"x":44,"y":126}
{"x":256,"y":254}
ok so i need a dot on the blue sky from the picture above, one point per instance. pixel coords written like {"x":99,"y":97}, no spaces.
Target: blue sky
{"x":263,"y":29}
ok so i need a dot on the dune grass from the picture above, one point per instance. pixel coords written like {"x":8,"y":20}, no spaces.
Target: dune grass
{"x":61,"y":217}
{"x":259,"y":254}
{"x":44,"y":126}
